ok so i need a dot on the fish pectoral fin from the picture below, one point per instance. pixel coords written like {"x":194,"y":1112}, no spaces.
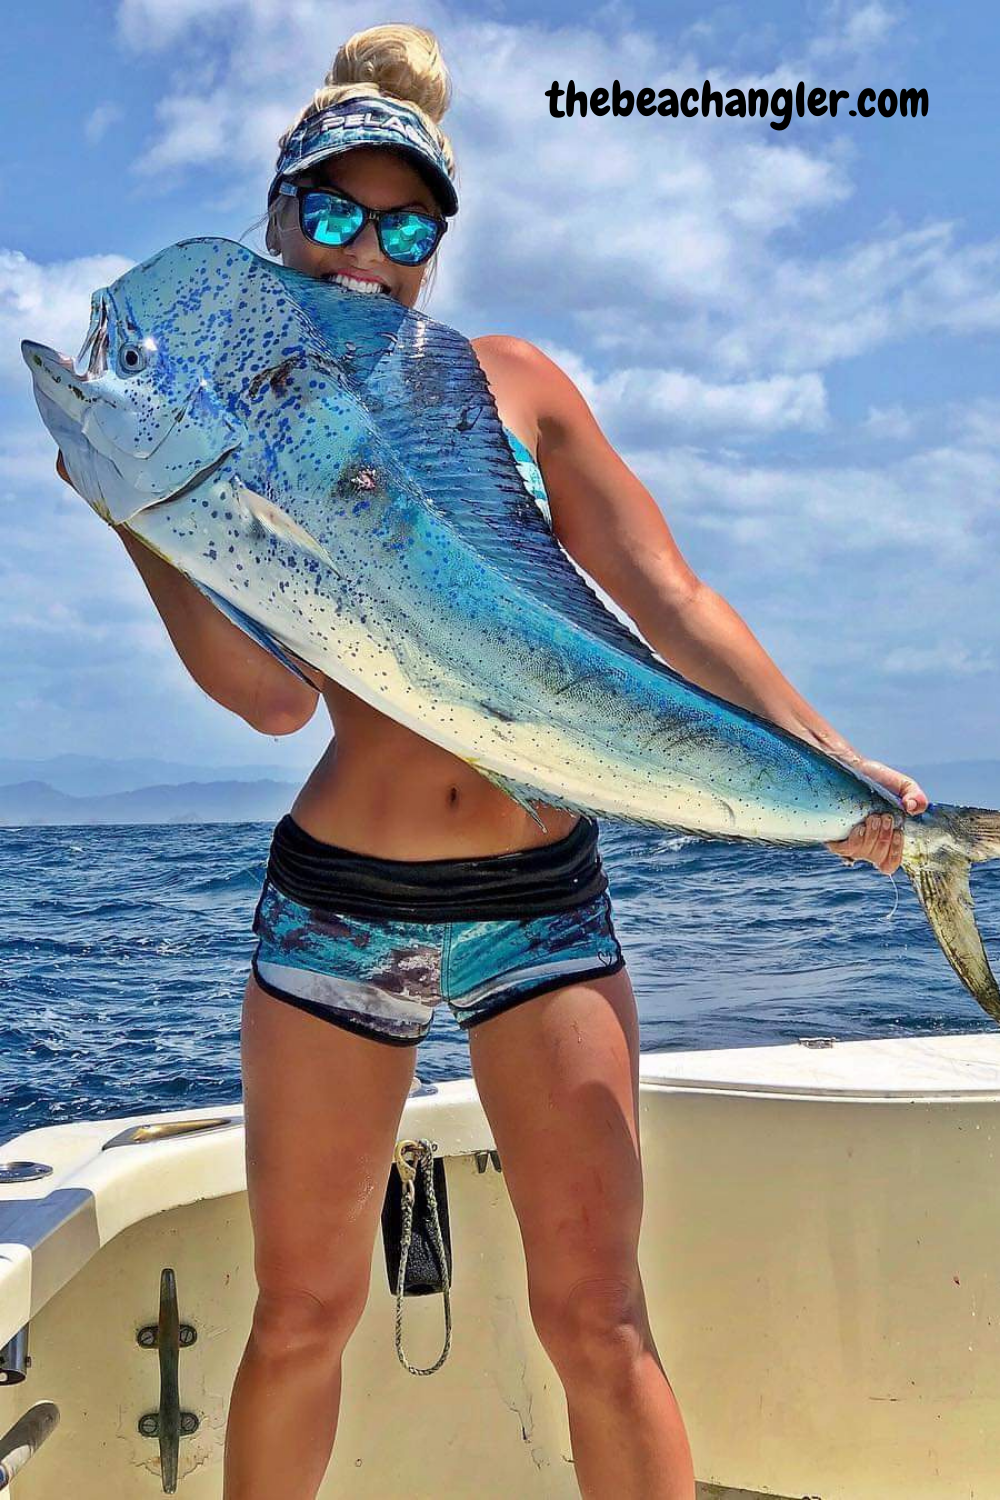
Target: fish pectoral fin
{"x":941,"y":881}
{"x":255,"y":631}
{"x":280,"y":524}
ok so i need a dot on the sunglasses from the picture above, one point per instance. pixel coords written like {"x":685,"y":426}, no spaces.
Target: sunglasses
{"x":327,"y":216}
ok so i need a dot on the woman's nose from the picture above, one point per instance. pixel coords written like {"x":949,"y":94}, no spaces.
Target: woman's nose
{"x":366,"y":248}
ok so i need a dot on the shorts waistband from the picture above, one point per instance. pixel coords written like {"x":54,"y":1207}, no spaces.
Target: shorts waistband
{"x":528,"y":882}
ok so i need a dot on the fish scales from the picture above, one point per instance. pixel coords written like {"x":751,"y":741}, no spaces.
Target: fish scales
{"x":331,"y":470}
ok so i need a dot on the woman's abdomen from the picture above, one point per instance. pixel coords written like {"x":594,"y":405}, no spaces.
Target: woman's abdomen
{"x":382,"y":789}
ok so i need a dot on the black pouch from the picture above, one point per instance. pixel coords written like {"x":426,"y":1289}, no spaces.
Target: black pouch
{"x":423,"y":1267}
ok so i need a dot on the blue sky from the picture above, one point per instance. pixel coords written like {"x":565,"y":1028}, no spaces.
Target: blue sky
{"x":791,"y":336}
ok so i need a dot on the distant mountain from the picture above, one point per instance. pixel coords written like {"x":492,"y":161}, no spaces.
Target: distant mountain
{"x":95,"y":775}
{"x":30,"y":803}
{"x":245,"y":794}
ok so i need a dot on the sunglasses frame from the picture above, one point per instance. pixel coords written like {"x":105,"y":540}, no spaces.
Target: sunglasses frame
{"x":289,"y":189}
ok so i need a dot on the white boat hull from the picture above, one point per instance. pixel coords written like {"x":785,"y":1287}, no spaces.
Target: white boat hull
{"x":820,"y":1253}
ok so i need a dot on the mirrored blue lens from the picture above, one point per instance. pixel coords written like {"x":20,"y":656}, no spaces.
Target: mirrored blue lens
{"x":409,"y":238}
{"x":330,"y":220}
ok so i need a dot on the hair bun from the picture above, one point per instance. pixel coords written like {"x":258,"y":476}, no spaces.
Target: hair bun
{"x":403,"y":61}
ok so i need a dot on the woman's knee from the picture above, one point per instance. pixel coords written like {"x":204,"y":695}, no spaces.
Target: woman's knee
{"x":596,"y":1328}
{"x":293,"y":1322}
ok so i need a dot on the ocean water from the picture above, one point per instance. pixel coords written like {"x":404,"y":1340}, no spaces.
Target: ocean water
{"x":124,"y":952}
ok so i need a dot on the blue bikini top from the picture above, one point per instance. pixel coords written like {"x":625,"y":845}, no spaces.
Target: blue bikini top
{"x":530,"y":473}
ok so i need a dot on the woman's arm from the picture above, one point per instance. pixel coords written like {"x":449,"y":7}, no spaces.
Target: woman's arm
{"x":222,"y":659}
{"x":609,"y":522}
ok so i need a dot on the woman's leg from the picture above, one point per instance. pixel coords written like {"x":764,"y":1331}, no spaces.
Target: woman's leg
{"x":322,"y":1108}
{"x":558,"y":1077}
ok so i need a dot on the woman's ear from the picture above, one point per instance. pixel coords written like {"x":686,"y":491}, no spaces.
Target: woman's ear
{"x":271,"y":238}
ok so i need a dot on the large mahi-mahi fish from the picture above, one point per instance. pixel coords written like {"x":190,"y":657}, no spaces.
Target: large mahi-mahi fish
{"x":330,"y":469}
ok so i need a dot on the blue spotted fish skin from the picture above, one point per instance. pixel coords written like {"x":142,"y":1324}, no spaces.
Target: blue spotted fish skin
{"x":330,"y":468}
{"x":256,"y":452}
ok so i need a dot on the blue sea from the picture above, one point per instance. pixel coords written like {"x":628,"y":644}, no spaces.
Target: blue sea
{"x":124,"y":952}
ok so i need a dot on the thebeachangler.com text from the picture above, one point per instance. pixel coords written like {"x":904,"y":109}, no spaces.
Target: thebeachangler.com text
{"x":740,"y":104}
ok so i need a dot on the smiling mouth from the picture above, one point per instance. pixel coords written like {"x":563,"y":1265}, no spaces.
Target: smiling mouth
{"x":366,"y":287}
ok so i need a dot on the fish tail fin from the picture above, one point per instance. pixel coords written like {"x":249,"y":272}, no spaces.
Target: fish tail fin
{"x":939,"y":850}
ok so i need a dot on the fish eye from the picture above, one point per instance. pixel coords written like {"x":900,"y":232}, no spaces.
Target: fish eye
{"x":131,"y":359}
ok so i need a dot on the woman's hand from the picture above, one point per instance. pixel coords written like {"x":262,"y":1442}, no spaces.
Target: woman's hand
{"x":877,"y":839}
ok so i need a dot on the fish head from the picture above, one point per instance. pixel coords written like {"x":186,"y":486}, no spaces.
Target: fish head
{"x":139,"y":415}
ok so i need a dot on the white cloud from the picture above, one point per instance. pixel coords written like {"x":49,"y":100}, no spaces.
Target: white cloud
{"x":151,"y":25}
{"x":889,"y":422}
{"x":27,"y":454}
{"x":857,"y":29}
{"x":807,"y":313}
{"x":100,"y":120}
{"x":48,"y":303}
{"x":672,"y":202}
{"x":857,"y":580}
{"x":844,"y":572}
{"x":227,"y":103}
{"x":640,"y":397}
{"x":977,"y":421}
{"x":642,"y":403}
{"x":193,"y":131}
{"x":949,"y":656}
{"x":768,"y":189}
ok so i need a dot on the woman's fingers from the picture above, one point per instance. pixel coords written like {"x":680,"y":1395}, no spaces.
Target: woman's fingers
{"x":879,"y":841}
{"x":909,"y":792}
{"x":876,"y":840}
{"x":914,"y":798}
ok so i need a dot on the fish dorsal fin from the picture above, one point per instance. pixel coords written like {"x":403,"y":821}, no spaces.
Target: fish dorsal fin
{"x":430,"y":399}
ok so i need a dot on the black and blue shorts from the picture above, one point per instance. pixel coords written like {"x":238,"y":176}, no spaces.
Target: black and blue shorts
{"x":374,"y":944}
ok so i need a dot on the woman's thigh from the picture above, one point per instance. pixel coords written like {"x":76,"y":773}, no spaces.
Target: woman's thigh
{"x":558,"y":1077}
{"x":322,"y":1107}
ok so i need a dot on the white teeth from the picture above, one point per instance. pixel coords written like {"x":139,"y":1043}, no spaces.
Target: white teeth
{"x":370,"y":288}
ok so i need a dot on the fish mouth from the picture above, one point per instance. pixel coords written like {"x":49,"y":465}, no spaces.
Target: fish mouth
{"x":56,"y":378}
{"x":63,"y":379}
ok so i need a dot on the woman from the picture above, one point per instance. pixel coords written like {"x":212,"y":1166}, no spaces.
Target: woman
{"x":511,"y":924}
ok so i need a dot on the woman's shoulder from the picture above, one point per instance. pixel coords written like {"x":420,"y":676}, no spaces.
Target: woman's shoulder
{"x":507,"y":364}
{"x":511,"y":362}
{"x":503,"y":350}
{"x":515,"y":353}
{"x":505,"y":344}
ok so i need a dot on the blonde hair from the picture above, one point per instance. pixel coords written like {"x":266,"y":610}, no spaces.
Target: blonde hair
{"x":395,"y":62}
